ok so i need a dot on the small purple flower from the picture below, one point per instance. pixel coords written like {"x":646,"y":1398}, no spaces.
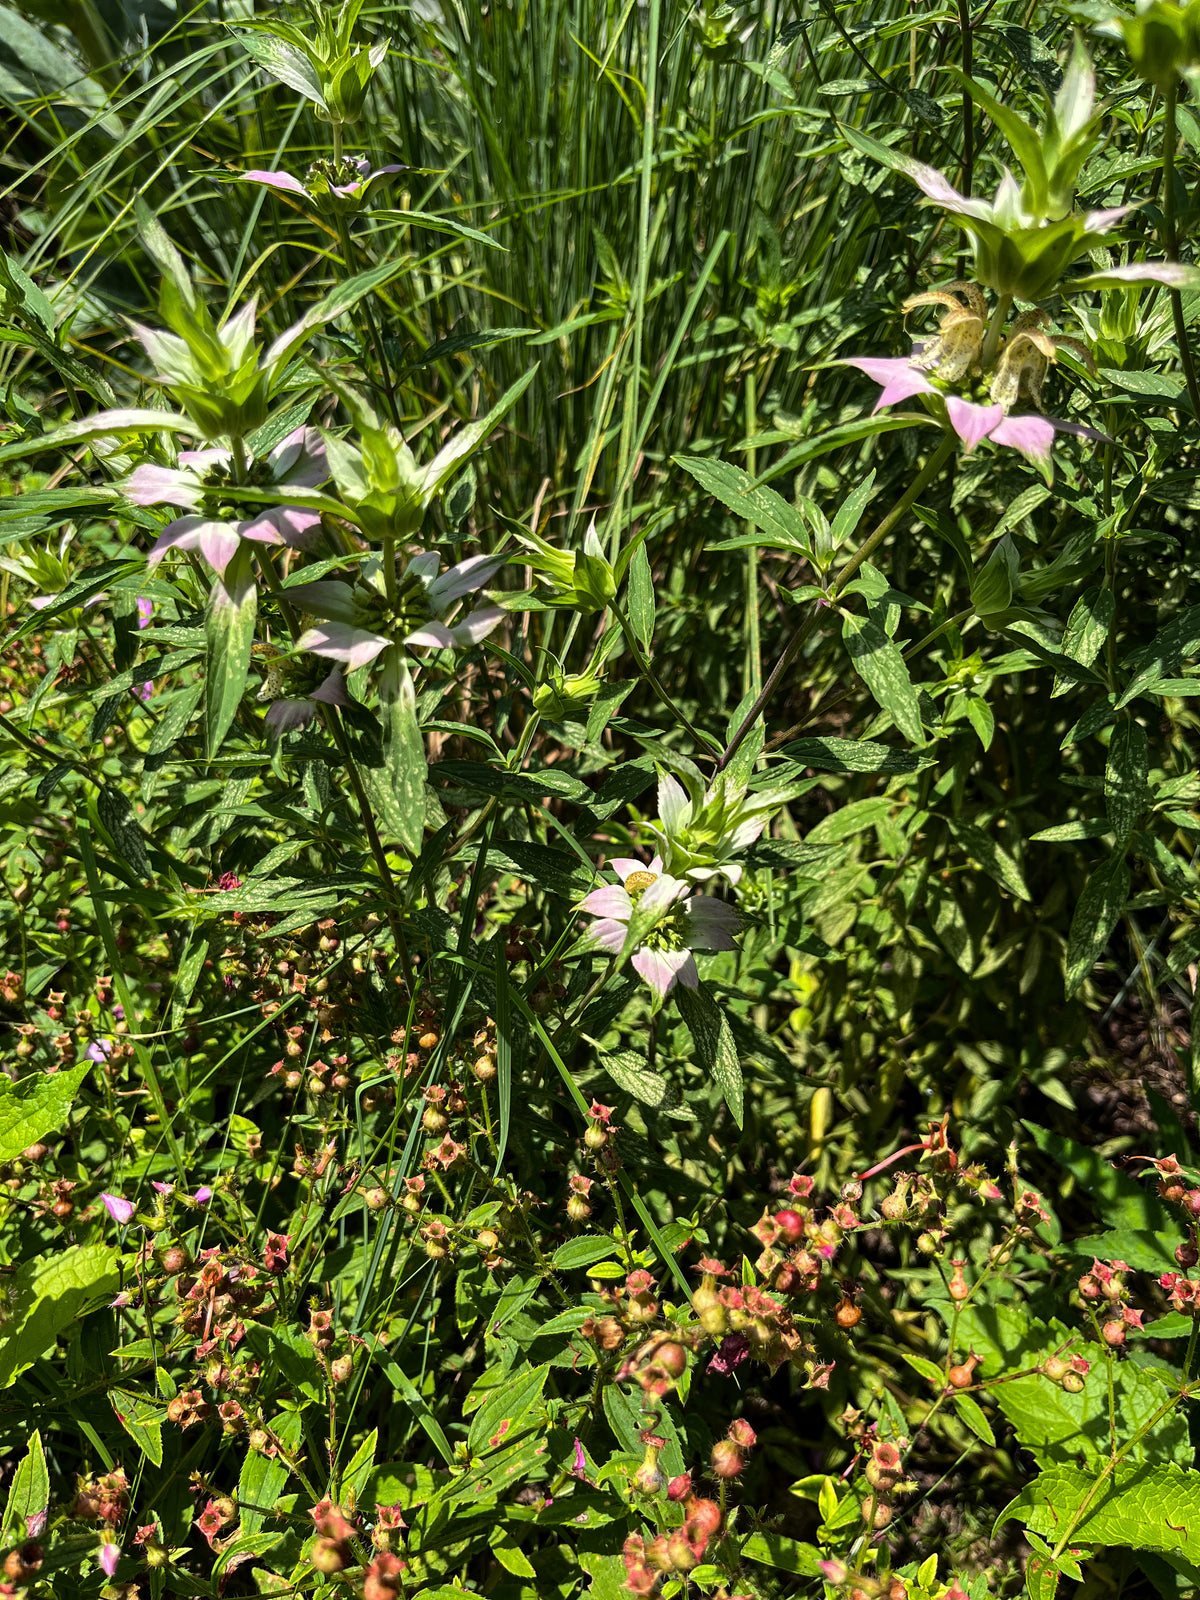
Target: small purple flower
{"x":118,"y":1209}
{"x":143,"y":691}
{"x":202,"y":484}
{"x":110,"y":1554}
{"x":580,"y":1458}
{"x":99,"y":1051}
{"x":336,"y":186}
{"x":145,"y":610}
{"x":685,"y":923}
{"x":202,"y":1196}
{"x":162,"y":1188}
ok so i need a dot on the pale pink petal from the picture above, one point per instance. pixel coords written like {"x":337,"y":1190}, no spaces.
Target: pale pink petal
{"x":341,"y":642}
{"x":1102,"y":221}
{"x":971,"y":422}
{"x":283,"y":525}
{"x":476,"y":626}
{"x":462,"y":579}
{"x":332,"y":692}
{"x":434,"y":635}
{"x":285,"y":714}
{"x":218,"y":543}
{"x":325,"y":598}
{"x":202,"y":1196}
{"x":608,"y":935}
{"x":163,"y":1188}
{"x":119,"y":1210}
{"x":623,"y":866}
{"x":1032,"y":436}
{"x":182,"y":534}
{"x":662,"y":969}
{"x":152,"y":485}
{"x":610,"y":900}
{"x":299,"y":460}
{"x":664,"y":891}
{"x":1171,"y":273}
{"x":900,"y":379}
{"x":275,"y":180}
{"x":110,"y":1554}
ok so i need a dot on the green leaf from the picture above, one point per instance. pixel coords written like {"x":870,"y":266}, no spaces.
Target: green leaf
{"x":1126,"y":777}
{"x":48,"y":1294}
{"x":577,"y":1253}
{"x":715,"y":1047}
{"x":229,"y":632}
{"x":35,"y":1106}
{"x":1096,"y":913}
{"x":1140,"y":1229}
{"x":789,"y":1555}
{"x":929,"y":1370}
{"x":285,"y":63}
{"x":398,"y":787}
{"x":286,"y":1352}
{"x":1086,"y":630}
{"x":851,"y":819}
{"x":1055,"y":1426}
{"x":501,"y":1415}
{"x":116,"y":814}
{"x":628,"y":1070}
{"x":358,"y":1469}
{"x":264,"y":1478}
{"x":640,"y":598}
{"x":883,"y":669}
{"x":409,"y":1393}
{"x":509,"y":1553}
{"x":28,"y":1493}
{"x":852,"y":755}
{"x":767,"y":510}
{"x":1180,"y":639}
{"x":993,"y":588}
{"x":141,"y":1421}
{"x":461,"y":444}
{"x":972,"y":1414}
{"x":125,"y":419}
{"x":1142,"y":1507}
{"x":992,"y":857}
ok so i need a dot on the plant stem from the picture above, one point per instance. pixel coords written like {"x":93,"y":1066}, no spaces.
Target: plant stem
{"x":802,"y":634}
{"x":652,"y":678}
{"x":1171,"y":245}
{"x":991,"y":339}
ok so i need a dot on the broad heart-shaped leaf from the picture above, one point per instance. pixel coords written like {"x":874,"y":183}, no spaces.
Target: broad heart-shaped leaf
{"x":770,"y":513}
{"x":1140,"y":1229}
{"x":882,"y":667}
{"x":141,"y":1421}
{"x":1126,"y":775}
{"x":1145,"y":1507}
{"x":229,"y":631}
{"x":398,"y":788}
{"x":35,"y":1106}
{"x":28,"y":1493}
{"x":715,"y":1047}
{"x":47,"y":1295}
{"x":1057,"y":1427}
{"x":1096,"y":912}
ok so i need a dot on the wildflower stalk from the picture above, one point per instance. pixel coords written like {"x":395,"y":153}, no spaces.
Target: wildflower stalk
{"x":386,"y":384}
{"x":804,"y":632}
{"x":642,"y":663}
{"x":991,"y":339}
{"x":1171,"y":243}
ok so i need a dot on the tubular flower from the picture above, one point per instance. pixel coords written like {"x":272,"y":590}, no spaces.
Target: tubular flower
{"x":202,"y":484}
{"x":360,"y":623}
{"x":330,"y":186}
{"x":675,"y":924}
{"x":953,"y":358}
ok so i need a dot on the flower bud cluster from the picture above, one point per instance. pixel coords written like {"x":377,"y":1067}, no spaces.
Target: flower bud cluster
{"x":672,"y":1554}
{"x":1104,"y":1287}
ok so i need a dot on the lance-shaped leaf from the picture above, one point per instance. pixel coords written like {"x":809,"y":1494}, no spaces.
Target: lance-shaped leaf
{"x":229,"y":629}
{"x":398,"y":787}
{"x":467,"y":439}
